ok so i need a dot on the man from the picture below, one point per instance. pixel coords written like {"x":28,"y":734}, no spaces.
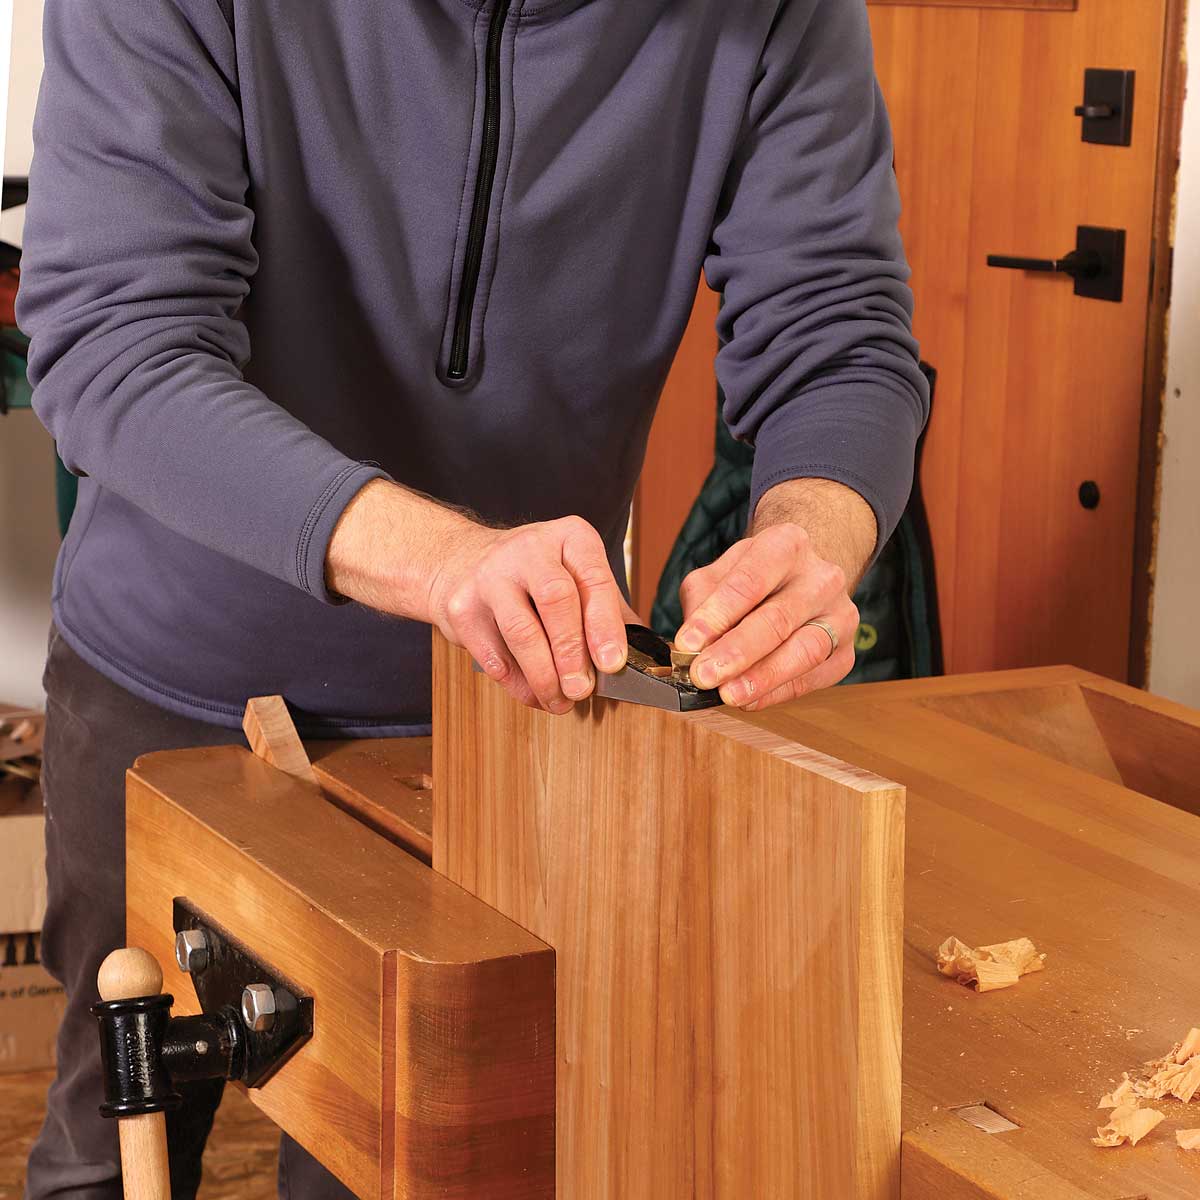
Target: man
{"x":460,"y":239}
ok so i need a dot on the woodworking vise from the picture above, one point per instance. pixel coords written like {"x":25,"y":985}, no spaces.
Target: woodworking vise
{"x":252,"y":1019}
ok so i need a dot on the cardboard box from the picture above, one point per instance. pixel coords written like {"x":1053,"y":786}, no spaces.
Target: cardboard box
{"x":31,"y":1006}
{"x":31,"y":1003}
{"x":22,"y":857}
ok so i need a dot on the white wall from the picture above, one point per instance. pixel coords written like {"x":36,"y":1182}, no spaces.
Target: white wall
{"x":1175,"y":627}
{"x":28,"y":525}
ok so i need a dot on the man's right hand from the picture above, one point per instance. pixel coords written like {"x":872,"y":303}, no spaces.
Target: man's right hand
{"x":536,"y":606}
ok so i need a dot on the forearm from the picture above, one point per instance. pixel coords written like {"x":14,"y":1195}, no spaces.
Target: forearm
{"x":536,"y":606}
{"x":840,"y":524}
{"x":389,"y":545}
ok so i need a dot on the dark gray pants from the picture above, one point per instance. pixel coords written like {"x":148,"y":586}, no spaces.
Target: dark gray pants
{"x":94,"y":731}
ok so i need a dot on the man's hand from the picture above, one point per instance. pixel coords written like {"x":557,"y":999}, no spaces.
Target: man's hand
{"x":535,"y":606}
{"x":747,"y":612}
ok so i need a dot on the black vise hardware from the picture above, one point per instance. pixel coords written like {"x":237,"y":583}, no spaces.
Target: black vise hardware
{"x":223,"y":974}
{"x":252,"y":1021}
{"x":131,"y":1036}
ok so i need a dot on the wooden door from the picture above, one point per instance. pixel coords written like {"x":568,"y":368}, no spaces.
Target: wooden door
{"x":1039,"y":391}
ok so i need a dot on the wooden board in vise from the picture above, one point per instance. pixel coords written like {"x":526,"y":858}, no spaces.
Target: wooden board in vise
{"x":431,"y":1069}
{"x":726,"y":911}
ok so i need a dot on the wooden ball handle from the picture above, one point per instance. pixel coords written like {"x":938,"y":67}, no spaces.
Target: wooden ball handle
{"x":129,"y":975}
{"x":145,"y":1168}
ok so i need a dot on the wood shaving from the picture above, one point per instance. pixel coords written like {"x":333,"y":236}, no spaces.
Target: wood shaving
{"x":989,"y":968}
{"x":1020,"y":952}
{"x":1127,"y":1123}
{"x":1189,"y":1047}
{"x":1188,"y":1139}
{"x":1176,"y":1073}
{"x":1181,"y":1080}
{"x":1123,"y":1093}
{"x":992,"y":976}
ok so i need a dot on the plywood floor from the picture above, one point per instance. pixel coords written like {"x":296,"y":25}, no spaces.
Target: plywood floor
{"x":240,"y":1161}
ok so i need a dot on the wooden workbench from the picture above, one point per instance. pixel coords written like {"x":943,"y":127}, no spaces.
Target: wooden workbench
{"x":1030,"y":812}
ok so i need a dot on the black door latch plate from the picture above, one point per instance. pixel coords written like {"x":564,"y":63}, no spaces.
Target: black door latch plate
{"x":1107,"y":108}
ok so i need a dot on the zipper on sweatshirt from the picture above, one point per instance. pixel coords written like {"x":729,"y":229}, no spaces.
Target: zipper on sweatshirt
{"x":489,"y":151}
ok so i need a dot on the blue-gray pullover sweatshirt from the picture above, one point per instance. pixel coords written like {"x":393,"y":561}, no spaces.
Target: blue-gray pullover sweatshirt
{"x":276,"y":248}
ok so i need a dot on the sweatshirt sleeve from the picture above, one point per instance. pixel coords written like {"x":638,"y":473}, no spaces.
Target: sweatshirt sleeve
{"x":817,"y":362}
{"x":137,"y":257}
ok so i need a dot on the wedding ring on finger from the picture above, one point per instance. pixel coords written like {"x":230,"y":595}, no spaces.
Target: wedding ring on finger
{"x":830,"y":632}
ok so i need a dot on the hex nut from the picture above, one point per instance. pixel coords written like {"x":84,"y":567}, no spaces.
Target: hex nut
{"x":258,"y":1007}
{"x":191,"y":951}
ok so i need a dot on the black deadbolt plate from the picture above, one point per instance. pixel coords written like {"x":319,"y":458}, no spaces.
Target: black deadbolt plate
{"x":1112,"y":91}
{"x":231,"y":967}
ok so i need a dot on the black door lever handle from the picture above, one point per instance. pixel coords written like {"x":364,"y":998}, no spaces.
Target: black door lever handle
{"x":1097,"y":264}
{"x":1079,"y":264}
{"x":1097,"y":112}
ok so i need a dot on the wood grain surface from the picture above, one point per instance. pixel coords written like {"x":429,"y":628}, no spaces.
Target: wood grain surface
{"x":1005,"y":840}
{"x":1155,"y":744}
{"x":383,"y":782}
{"x":1053,"y":720}
{"x":145,"y":1168}
{"x":1014,"y":827}
{"x":431,"y":1068}
{"x":725,"y":910}
{"x":271,"y":734}
{"x":947,"y":1159}
{"x":1051,"y":393}
{"x":1006,"y":836}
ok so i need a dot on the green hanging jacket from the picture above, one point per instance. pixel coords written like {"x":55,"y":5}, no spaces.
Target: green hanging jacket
{"x":899,"y":636}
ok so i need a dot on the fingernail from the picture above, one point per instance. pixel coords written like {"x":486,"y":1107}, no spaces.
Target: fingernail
{"x":704,"y":672}
{"x":689,"y":638}
{"x":560,"y":708}
{"x":577,"y":687}
{"x":738,"y":693}
{"x":610,"y":657}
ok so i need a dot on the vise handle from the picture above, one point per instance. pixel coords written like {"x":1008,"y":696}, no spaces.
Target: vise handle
{"x":127,"y":976}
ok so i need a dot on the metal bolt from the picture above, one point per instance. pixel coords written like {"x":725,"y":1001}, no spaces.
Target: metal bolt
{"x":191,"y":951}
{"x":258,"y":1007}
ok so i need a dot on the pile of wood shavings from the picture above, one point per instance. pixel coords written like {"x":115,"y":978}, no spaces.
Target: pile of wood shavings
{"x":1128,"y":1123}
{"x":989,"y":968}
{"x":1176,"y":1074}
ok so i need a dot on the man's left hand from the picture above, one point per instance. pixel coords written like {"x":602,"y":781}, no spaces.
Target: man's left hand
{"x":749,"y":612}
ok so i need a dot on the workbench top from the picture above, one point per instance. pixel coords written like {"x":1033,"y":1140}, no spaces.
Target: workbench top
{"x":1023,"y":819}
